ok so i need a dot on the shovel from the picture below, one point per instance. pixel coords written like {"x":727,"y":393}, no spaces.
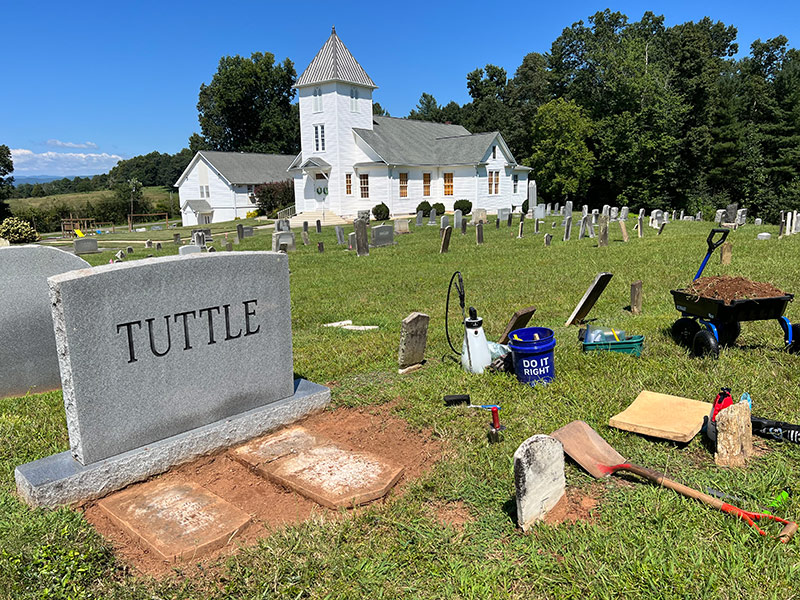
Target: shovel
{"x":583,"y":445}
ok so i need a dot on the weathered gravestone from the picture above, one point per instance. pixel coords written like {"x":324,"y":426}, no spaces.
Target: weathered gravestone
{"x":497,"y":223}
{"x":420,"y":216}
{"x":568,"y":229}
{"x":536,"y":223}
{"x":28,"y":357}
{"x":463,"y":226}
{"x":320,"y":247}
{"x":458,"y":217}
{"x":764,"y":236}
{"x":120,"y":255}
{"x":147,"y":377}
{"x":228,"y":247}
{"x":351,"y":241}
{"x":340,"y":234}
{"x":538,"y":478}
{"x":382,"y":235}
{"x":699,"y":216}
{"x":305,"y":226}
{"x":413,"y":338}
{"x":479,"y":216}
{"x":445,"y":246}
{"x":502,"y":213}
{"x":730,"y":212}
{"x":479,"y":233}
{"x":602,"y":239}
{"x":521,"y":229}
{"x":158,"y":245}
{"x":129,"y":250}
{"x":582,"y":229}
{"x":547,"y":239}
{"x":539,"y":212}
{"x":319,"y":226}
{"x":661,"y":227}
{"x":304,"y":237}
{"x":432,"y":217}
{"x":758,"y":221}
{"x":283,"y":237}
{"x":282,"y":225}
{"x":614,"y":213}
{"x":87,"y":246}
{"x":176,"y":239}
{"x":362,"y":245}
{"x":149,"y":243}
{"x":189,"y":249}
{"x":624,"y":230}
{"x":640,"y":225}
{"x":509,"y":219}
{"x":364,"y":215}
{"x":623,"y":214}
{"x":401,"y":226}
{"x":239,"y":232}
{"x":248,"y":231}
{"x":444,"y":222}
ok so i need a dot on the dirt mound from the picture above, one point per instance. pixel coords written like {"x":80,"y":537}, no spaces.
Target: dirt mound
{"x":729,"y":289}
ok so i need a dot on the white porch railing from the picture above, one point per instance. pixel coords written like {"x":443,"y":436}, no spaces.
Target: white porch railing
{"x":287,"y":213}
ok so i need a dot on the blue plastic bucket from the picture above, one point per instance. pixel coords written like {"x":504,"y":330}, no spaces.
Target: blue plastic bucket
{"x":533,"y":359}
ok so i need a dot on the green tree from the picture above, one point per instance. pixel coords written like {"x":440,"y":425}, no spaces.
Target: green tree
{"x":526,"y":92}
{"x":379,"y":111}
{"x":248,"y":107}
{"x":562,"y":160}
{"x":427,"y":109}
{"x":6,"y":181}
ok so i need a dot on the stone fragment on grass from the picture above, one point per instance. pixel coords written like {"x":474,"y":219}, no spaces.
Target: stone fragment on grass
{"x":538,"y":477}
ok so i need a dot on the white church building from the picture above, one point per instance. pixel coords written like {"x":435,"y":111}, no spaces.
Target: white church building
{"x":351,"y":160}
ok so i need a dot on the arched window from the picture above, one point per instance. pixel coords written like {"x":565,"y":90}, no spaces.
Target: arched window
{"x":317,"y":99}
{"x":354,"y":99}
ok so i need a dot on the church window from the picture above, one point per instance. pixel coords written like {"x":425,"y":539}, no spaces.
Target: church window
{"x":515,"y":178}
{"x":317,"y":107}
{"x":494,"y":182}
{"x":364,"y":179}
{"x":348,"y":184}
{"x":426,"y":184}
{"x":319,"y":138}
{"x":354,"y":99}
{"x":448,"y":184}
{"x":404,"y":185}
{"x":494,"y":151}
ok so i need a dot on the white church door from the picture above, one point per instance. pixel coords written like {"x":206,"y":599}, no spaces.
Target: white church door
{"x":321,"y":192}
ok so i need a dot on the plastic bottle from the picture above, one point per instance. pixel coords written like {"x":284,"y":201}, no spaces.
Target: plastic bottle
{"x":595,"y":335}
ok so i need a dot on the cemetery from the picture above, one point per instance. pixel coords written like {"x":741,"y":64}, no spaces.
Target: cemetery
{"x":292,"y":411}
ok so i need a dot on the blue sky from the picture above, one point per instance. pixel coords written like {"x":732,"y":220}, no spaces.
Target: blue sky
{"x":87,"y":83}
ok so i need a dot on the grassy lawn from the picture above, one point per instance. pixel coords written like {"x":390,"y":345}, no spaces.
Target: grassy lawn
{"x":78,"y":200}
{"x":643,"y":541}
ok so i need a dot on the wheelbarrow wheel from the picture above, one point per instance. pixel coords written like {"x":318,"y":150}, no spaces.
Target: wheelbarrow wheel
{"x":684,"y":330}
{"x":705,"y":344}
{"x":794,"y":347}
{"x":728,"y":332}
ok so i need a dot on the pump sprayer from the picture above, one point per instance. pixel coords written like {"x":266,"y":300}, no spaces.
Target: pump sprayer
{"x":475,"y":355}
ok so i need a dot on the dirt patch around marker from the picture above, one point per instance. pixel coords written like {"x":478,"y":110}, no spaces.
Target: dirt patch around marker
{"x":371,"y":429}
{"x":452,"y":514}
{"x":729,"y":289}
{"x":575,"y":505}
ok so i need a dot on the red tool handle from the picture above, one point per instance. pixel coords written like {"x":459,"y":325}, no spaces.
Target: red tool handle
{"x":496,"y":417}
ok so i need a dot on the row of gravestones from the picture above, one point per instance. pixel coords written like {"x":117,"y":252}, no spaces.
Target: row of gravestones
{"x":789,"y":223}
{"x":732,"y":216}
{"x":146,"y":377}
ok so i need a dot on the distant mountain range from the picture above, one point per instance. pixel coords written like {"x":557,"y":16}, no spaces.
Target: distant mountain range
{"x":20,"y":179}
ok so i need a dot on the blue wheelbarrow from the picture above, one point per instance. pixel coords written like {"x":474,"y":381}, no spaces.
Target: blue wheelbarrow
{"x":706,"y":323}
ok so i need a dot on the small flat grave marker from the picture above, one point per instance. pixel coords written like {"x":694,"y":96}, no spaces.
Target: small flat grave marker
{"x":176,"y":521}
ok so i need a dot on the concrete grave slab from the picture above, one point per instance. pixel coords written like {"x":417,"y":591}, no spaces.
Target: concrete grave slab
{"x":85,"y":245}
{"x":177,"y":521}
{"x":28,"y":355}
{"x":538,"y":477}
{"x":320,"y":470}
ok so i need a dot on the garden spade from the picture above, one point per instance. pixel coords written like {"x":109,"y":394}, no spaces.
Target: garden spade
{"x":585,"y":446}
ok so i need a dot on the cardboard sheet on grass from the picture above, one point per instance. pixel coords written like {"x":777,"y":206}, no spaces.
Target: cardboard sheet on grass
{"x":663,"y":416}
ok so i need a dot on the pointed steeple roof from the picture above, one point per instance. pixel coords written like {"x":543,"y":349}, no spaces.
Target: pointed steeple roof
{"x":334,"y":63}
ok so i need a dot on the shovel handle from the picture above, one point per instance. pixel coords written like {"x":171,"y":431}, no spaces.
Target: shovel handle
{"x":712,"y":245}
{"x":789,"y":528}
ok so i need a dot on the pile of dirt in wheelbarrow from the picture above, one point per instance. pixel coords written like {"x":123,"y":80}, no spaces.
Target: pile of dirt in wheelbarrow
{"x":729,"y":289}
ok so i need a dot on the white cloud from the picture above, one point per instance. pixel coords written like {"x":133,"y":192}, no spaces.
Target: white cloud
{"x":60,"y":144}
{"x":66,"y":164}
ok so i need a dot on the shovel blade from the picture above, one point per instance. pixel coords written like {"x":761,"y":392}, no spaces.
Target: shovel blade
{"x":585,"y":446}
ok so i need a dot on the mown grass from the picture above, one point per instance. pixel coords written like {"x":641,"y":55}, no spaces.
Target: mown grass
{"x":78,"y":200}
{"x":644,"y":541}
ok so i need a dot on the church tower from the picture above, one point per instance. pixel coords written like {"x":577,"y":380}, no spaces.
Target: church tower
{"x":335,"y":96}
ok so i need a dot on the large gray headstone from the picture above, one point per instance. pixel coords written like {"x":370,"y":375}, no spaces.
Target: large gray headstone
{"x":730,"y":212}
{"x":28,"y":357}
{"x":382,"y":235}
{"x":413,"y":338}
{"x":539,"y":212}
{"x":85,"y":245}
{"x":140,"y":367}
{"x":538,"y":477}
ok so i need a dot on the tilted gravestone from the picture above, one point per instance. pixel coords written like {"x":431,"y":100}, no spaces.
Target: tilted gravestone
{"x":339,"y":235}
{"x":320,"y":247}
{"x":382,"y":235}
{"x":86,"y":246}
{"x":147,"y":377}
{"x":538,"y":477}
{"x":413,"y":339}
{"x":149,"y":243}
{"x":446,"y":240}
{"x":536,"y":223}
{"x":28,"y":357}
{"x":283,"y":237}
{"x":362,"y":244}
{"x":158,"y":245}
{"x":624,"y":230}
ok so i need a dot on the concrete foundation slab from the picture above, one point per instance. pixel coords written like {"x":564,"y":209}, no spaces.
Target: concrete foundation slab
{"x":177,"y":521}
{"x":60,"y":479}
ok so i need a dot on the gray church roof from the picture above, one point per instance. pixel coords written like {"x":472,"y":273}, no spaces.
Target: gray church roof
{"x":334,"y":63}
{"x":410,"y":142}
{"x":247,"y":168}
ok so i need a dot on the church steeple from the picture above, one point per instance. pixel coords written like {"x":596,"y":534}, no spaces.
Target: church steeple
{"x":335,"y":63}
